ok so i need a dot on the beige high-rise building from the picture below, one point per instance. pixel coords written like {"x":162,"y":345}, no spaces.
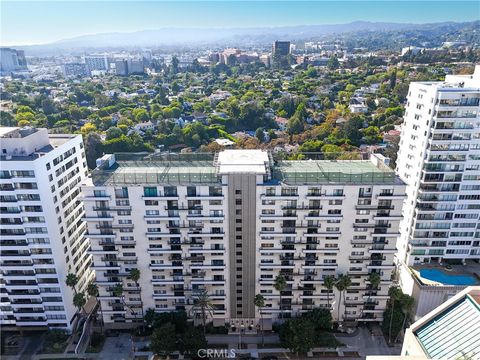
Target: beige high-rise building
{"x":230,"y":223}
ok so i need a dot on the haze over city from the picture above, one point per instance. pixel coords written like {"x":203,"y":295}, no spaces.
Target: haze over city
{"x":66,"y":19}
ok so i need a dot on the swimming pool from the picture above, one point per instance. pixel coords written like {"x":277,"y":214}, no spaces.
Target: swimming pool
{"x":446,"y":278}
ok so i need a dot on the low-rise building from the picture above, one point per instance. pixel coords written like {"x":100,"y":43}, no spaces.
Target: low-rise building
{"x":450,"y":331}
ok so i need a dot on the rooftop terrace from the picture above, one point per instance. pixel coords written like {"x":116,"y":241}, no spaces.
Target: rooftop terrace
{"x":204,"y":168}
{"x":332,"y":171}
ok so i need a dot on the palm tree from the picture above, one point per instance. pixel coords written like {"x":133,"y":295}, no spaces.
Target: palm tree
{"x":329,"y":283}
{"x":279,"y":285}
{"x":202,"y":305}
{"x":347,"y":282}
{"x":406,"y":303}
{"x":79,"y":301}
{"x":118,"y":292}
{"x":72,"y":281}
{"x":395,"y":294}
{"x":342,"y":284}
{"x":92,"y":290}
{"x":135,"y":276}
{"x":260,"y":303}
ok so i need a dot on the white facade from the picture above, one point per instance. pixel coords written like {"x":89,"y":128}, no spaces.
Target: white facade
{"x":42,"y":236}
{"x":439,"y":160}
{"x":232,"y":223}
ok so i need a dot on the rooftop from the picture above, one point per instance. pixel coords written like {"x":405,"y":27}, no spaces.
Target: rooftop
{"x":158,"y":169}
{"x":332,"y":171}
{"x":27,"y":144}
{"x":208,"y":168}
{"x":7,"y":132}
{"x":452,"y":331}
{"x":243,"y":161}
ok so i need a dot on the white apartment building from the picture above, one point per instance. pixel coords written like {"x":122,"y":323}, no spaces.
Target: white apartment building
{"x":439,"y":160}
{"x":41,"y":235}
{"x":230,"y":223}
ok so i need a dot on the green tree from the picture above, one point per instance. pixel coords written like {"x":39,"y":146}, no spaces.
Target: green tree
{"x":88,"y":128}
{"x":79,"y":301}
{"x":192,"y":340}
{"x":140,"y":115}
{"x":321,"y":318}
{"x":395,"y":294}
{"x":72,"y":280}
{"x":298,"y":335}
{"x":163,"y":341}
{"x":371,"y":135}
{"x":329,"y":283}
{"x":7,"y":119}
{"x":333,"y":63}
{"x":203,"y":306}
{"x":259,"y":134}
{"x":331,"y":152}
{"x":260,"y":303}
{"x":280,"y":284}
{"x":174,"y":65}
{"x":392,"y":321}
{"x":48,"y":106}
{"x":92,"y":290}
{"x":135,"y":276}
{"x":352,"y":129}
{"x":113,"y":132}
{"x":93,"y":149}
{"x":117,"y":291}
{"x":406,"y":305}
{"x":295,"y":125}
{"x":342,"y":284}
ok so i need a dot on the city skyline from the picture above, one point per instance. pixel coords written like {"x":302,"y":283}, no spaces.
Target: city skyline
{"x":83,"y":18}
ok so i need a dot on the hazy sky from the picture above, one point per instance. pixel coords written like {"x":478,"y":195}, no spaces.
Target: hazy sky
{"x":35,"y":22}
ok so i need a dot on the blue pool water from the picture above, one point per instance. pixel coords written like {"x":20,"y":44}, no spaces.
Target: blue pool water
{"x":446,"y":278}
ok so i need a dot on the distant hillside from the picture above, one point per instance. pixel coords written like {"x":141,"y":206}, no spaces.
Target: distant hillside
{"x":242,"y":36}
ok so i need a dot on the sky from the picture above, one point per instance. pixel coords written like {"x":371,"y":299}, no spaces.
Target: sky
{"x":40,"y":22}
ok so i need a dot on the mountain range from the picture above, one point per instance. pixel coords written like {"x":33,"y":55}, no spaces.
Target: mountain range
{"x":231,"y":36}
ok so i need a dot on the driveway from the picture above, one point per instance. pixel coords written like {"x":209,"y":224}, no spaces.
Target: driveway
{"x":367,"y":344}
{"x":33,"y":345}
{"x":117,"y":348}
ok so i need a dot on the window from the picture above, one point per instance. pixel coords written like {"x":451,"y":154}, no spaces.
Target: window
{"x":170,"y":191}
{"x":150,"y":192}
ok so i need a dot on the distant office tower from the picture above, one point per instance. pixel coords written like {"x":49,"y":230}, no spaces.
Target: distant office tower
{"x":439,"y":159}
{"x":42,"y":235}
{"x":12,"y":60}
{"x":281,"y":48}
{"x":96,"y":63}
{"x":147,"y":57}
{"x":75,"y":70}
{"x":266,"y":60}
{"x":229,"y":224}
{"x":135,"y":66}
{"x":121,"y":67}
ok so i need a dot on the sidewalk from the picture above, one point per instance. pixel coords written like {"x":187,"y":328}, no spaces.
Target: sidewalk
{"x":245,"y":339}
